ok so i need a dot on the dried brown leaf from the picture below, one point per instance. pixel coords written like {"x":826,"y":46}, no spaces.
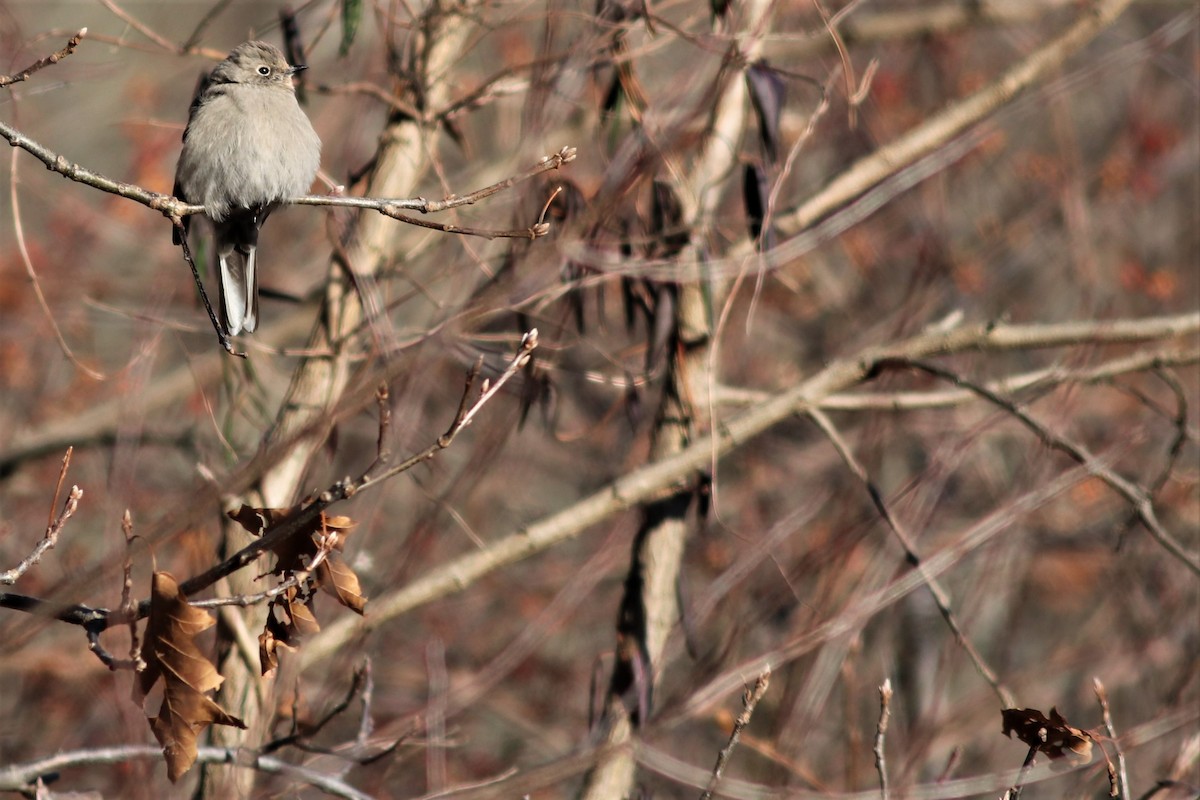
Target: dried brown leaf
{"x":338,"y":580}
{"x":1050,"y":735}
{"x":170,"y":653}
{"x":290,"y":616}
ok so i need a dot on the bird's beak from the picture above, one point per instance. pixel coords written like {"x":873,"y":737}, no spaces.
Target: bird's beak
{"x":297,"y":68}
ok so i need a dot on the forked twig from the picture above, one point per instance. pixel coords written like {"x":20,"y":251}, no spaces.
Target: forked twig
{"x":1137,"y":497}
{"x":53,"y":527}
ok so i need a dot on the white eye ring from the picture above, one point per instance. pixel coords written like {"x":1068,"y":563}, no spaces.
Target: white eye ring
{"x":264,"y":70}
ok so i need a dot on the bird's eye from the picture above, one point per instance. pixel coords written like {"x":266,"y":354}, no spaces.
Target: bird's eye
{"x":264,"y":70}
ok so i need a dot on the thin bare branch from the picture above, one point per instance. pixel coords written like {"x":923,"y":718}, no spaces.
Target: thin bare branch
{"x":1135,"y":495}
{"x":750,"y":700}
{"x":174,"y":209}
{"x":53,"y":528}
{"x":1122,"y":776}
{"x":42,"y":63}
{"x":940,"y":596}
{"x":885,"y":713}
{"x":22,"y":777}
{"x":27,"y":262}
{"x":141,"y":27}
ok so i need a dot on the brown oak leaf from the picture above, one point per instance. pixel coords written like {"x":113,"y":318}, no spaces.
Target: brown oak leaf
{"x":288,"y":618}
{"x":290,"y":615}
{"x":1050,"y":735}
{"x":170,"y":653}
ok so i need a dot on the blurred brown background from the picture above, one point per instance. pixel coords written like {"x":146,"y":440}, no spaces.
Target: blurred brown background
{"x":1076,"y":201}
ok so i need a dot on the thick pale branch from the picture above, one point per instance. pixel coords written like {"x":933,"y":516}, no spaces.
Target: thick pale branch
{"x":932,"y":134}
{"x":866,"y":185}
{"x":649,"y":481}
{"x":96,"y":620}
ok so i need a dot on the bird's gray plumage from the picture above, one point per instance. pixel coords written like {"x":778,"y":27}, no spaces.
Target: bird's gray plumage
{"x":247,"y":146}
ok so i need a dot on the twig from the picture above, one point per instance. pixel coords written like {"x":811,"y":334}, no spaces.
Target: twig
{"x":383,"y":450}
{"x":935,"y":589}
{"x":854,"y":94}
{"x":53,"y":528}
{"x":246,"y":600}
{"x":27,"y":262}
{"x":107,"y":658}
{"x":1134,"y":494}
{"x":58,"y":485}
{"x":22,"y":777}
{"x":532,"y":232}
{"x":885,"y":713}
{"x":128,"y":606}
{"x":1122,"y":783}
{"x":222,"y":334}
{"x":749,"y":701}
{"x":1014,"y":793}
{"x":297,"y":736}
{"x":370,"y":90}
{"x":390,"y":207}
{"x":1180,"y":421}
{"x":127,"y":44}
{"x":210,"y":15}
{"x":127,"y":612}
{"x":42,"y":63}
{"x":142,"y":27}
{"x":347,"y":488}
{"x":172,"y":208}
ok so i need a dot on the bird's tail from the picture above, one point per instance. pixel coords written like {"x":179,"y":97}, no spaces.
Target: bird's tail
{"x":237,"y":254}
{"x":239,"y":289}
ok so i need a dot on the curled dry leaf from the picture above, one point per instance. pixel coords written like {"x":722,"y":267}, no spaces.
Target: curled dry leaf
{"x":170,"y":653}
{"x":290,"y":616}
{"x":1052,"y":735}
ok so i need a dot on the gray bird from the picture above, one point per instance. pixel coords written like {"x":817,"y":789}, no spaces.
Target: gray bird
{"x":247,"y":146}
